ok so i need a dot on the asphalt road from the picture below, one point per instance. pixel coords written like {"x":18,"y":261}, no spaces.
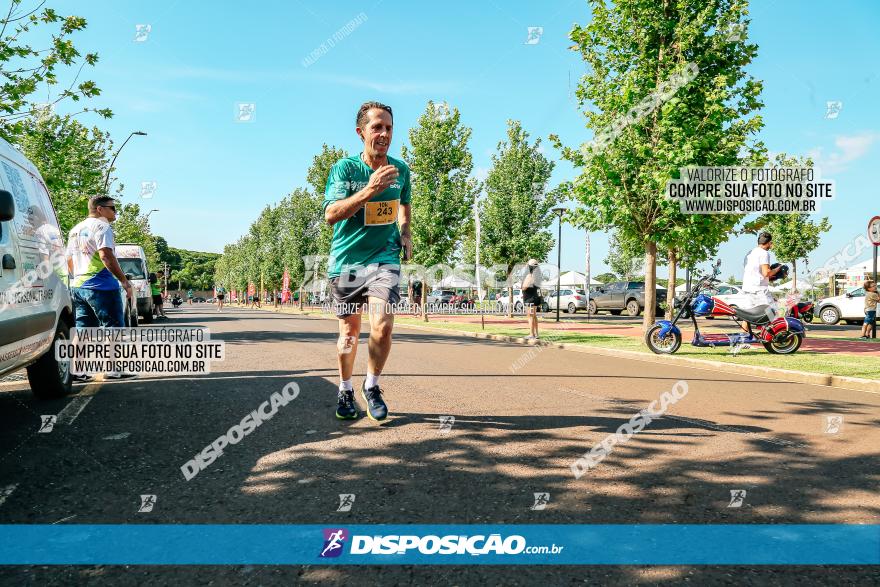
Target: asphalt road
{"x":522,"y":415}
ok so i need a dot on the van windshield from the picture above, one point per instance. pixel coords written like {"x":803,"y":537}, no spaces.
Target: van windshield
{"x":133,"y":267}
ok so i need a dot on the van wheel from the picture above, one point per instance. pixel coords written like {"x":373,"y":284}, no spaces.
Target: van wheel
{"x":49,"y":378}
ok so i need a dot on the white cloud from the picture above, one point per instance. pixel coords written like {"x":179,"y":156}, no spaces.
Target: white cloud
{"x":849,"y":148}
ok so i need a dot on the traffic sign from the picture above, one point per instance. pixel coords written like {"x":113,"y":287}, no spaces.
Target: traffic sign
{"x":874,"y":230}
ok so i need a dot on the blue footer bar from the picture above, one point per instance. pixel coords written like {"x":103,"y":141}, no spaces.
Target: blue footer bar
{"x":737,"y":544}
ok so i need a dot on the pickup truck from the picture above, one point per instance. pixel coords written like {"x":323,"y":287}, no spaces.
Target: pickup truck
{"x":620,"y":296}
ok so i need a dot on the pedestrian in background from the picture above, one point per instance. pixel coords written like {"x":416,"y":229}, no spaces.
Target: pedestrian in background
{"x":531,"y":292}
{"x":156,"y":292}
{"x":221,"y":295}
{"x":416,"y":297}
{"x":871,"y":299}
{"x":97,"y":276}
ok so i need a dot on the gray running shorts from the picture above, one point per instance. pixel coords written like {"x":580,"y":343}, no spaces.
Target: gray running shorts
{"x":351,"y":290}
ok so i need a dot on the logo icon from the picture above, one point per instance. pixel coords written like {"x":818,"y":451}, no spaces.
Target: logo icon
{"x":147,"y":503}
{"x":142,"y":32}
{"x":833,"y":424}
{"x":334,"y":539}
{"x":736,"y":33}
{"x":47,"y":423}
{"x":346,"y":500}
{"x":832,"y":109}
{"x":441,"y":111}
{"x":541,"y":501}
{"x":534,"y":35}
{"x":446,"y":423}
{"x":737,"y":498}
{"x":148,"y":188}
{"x":245,"y":112}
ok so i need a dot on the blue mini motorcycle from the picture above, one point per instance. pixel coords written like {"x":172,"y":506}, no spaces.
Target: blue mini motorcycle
{"x":779,"y":335}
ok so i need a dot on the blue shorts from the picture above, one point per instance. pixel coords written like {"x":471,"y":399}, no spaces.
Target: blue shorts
{"x":97,"y":307}
{"x":870,"y":316}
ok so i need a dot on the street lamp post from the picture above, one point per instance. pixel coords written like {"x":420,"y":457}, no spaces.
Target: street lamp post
{"x":112,"y":161}
{"x":150,"y":212}
{"x":558,"y":211}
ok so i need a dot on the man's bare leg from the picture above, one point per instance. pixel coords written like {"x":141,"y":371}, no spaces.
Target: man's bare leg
{"x":346,"y":346}
{"x":379,"y":346}
{"x":346,"y":351}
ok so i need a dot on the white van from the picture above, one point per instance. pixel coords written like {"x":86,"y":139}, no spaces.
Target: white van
{"x":133,"y":262}
{"x":35,"y":306}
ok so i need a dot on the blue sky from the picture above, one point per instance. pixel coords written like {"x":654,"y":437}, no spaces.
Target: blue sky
{"x":215,"y":174}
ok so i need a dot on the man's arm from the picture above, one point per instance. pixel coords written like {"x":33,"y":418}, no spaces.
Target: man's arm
{"x":404,"y":216}
{"x":112,"y":265}
{"x":349,"y":206}
{"x":767,"y":272}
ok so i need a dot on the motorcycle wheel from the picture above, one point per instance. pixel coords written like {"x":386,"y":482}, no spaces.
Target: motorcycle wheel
{"x":662,"y":346}
{"x":784,"y":343}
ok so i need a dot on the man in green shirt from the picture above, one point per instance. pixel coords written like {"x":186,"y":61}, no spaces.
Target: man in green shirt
{"x":156,"y":292}
{"x":367,"y":200}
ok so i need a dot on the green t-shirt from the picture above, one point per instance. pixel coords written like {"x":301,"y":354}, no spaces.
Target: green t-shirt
{"x":155,"y":289}
{"x":371,"y":235}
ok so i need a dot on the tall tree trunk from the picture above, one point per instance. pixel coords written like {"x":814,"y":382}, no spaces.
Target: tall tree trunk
{"x":650,"y":284}
{"x":794,"y":275}
{"x":670,"y":284}
{"x":424,"y":301}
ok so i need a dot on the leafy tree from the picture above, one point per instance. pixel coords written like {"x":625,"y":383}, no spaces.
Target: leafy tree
{"x":795,"y":236}
{"x":517,"y":211}
{"x":633,"y":48}
{"x":442,"y":190}
{"x":72,"y":158}
{"x":624,"y":258}
{"x":134,"y":228}
{"x":24,"y":68}
{"x":606,"y":277}
{"x":316,"y":177}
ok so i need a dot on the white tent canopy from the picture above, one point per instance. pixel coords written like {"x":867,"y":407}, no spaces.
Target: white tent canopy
{"x":453,"y":282}
{"x":571,"y":279}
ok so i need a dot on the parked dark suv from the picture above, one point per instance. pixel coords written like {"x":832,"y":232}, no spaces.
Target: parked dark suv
{"x":620,"y":296}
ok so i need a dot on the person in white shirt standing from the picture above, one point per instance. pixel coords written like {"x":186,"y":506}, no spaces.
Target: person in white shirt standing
{"x":97,"y":276}
{"x":757,"y":272}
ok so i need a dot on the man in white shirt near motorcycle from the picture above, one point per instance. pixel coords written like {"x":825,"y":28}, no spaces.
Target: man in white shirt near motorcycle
{"x":757,"y":272}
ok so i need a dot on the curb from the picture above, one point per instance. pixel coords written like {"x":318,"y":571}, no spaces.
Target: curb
{"x":826,"y":380}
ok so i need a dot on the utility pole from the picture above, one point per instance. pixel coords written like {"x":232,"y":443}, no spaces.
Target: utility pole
{"x":587,"y":279}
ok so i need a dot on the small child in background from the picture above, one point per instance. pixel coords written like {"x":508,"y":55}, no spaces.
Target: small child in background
{"x":871,"y":299}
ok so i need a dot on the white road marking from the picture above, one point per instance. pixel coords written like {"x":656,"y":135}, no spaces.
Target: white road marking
{"x":6,"y":492}
{"x":77,"y":404}
{"x":64,"y":519}
{"x":118,"y":436}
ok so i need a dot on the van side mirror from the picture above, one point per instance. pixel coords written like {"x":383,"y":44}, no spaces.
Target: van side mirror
{"x":7,"y":206}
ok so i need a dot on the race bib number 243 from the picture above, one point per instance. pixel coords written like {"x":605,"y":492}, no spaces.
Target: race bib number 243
{"x":380,"y":213}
